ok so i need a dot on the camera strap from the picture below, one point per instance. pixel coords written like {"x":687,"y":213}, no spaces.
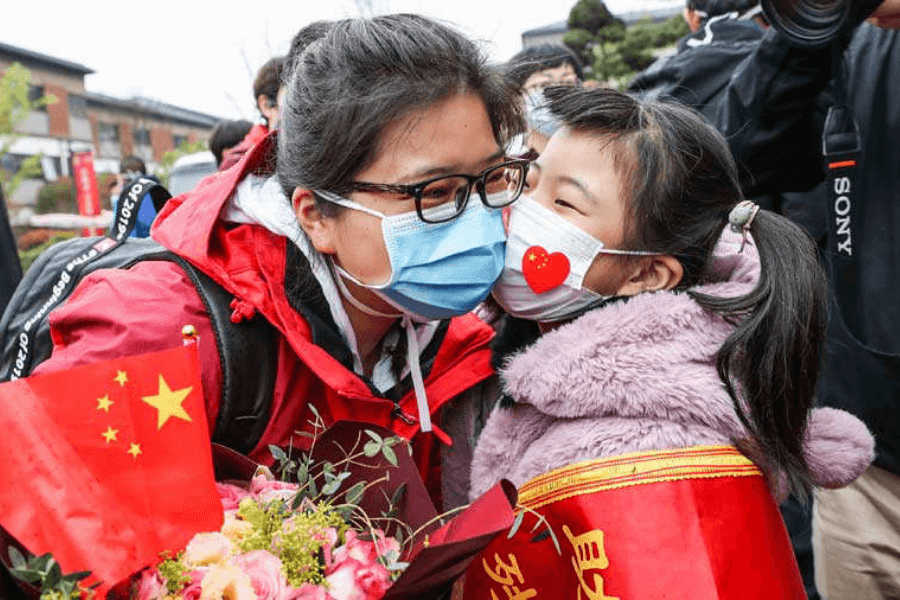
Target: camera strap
{"x":841,"y":149}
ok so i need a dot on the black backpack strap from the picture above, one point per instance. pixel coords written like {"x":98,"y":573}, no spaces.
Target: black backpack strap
{"x":248,"y":353}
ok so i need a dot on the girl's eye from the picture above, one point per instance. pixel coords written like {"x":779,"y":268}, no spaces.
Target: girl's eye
{"x":563,"y":204}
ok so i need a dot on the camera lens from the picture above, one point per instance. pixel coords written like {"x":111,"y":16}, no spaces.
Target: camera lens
{"x":811,"y":23}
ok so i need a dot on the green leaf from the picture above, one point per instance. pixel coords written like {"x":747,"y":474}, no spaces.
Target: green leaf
{"x":375,"y":437}
{"x":313,"y":490}
{"x":372,"y":448}
{"x":355,"y":493}
{"x":41,"y":563}
{"x":314,"y":411}
{"x":302,"y":472}
{"x":516,"y":524}
{"x":76,"y":576}
{"x":66,"y":587}
{"x":331,"y":487}
{"x":53,"y":577}
{"x":28,"y":575}
{"x":398,"y":494}
{"x":16,"y":558}
{"x":389,"y":455}
{"x":277,"y":453}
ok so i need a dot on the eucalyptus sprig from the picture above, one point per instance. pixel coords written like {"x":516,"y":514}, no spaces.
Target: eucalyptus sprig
{"x":45,"y":572}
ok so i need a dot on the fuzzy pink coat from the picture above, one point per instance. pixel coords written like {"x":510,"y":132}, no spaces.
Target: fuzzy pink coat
{"x":640,"y":375}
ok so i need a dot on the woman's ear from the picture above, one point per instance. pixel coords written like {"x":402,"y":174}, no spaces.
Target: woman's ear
{"x":318,"y":228}
{"x":657,"y":272}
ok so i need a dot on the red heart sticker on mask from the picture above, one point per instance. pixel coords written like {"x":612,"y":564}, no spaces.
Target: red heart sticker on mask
{"x":544,"y":271}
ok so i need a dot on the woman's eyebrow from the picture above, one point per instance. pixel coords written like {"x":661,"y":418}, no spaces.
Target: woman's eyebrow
{"x":431,"y":171}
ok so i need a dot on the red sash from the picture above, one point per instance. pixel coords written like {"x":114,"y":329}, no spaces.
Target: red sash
{"x":696,"y":523}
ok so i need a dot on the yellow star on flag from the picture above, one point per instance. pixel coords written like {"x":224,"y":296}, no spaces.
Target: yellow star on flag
{"x":121,"y":377}
{"x":531,"y":257}
{"x":168,"y":403}
{"x":134,"y":450}
{"x":110,"y":434}
{"x":104,"y":403}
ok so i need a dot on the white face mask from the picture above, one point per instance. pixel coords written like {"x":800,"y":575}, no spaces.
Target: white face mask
{"x":547,"y":258}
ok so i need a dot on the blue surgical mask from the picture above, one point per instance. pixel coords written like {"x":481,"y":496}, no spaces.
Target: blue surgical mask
{"x":438,"y":270}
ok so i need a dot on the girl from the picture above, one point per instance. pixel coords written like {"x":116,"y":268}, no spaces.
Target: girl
{"x":677,"y":320}
{"x":347,"y":230}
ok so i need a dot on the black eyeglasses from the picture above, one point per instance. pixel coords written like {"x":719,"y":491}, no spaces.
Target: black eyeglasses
{"x":444,"y":198}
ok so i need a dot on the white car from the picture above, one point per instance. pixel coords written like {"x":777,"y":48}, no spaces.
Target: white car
{"x":187,"y":171}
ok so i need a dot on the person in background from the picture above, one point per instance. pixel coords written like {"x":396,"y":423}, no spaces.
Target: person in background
{"x":131,"y":168}
{"x":226,"y":135}
{"x":533,"y":69}
{"x":364,"y":230}
{"x":266,"y":92}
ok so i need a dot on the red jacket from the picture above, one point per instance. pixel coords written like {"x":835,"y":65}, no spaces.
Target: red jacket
{"x":123,"y":312}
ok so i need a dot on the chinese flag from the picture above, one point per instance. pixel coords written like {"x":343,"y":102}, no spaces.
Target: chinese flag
{"x":109,"y":464}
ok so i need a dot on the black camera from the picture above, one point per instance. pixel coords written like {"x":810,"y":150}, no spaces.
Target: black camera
{"x":811,"y":23}
{"x":816,"y":23}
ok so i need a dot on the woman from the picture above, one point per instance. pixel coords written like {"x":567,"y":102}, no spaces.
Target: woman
{"x":678,"y":322}
{"x":359,"y":231}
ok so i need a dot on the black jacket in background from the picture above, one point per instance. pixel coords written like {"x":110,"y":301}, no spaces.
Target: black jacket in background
{"x":770,"y":110}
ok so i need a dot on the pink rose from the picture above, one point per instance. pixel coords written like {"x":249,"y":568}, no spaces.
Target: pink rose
{"x":353,"y":580}
{"x":265,"y":572}
{"x":151,"y":585}
{"x":231,"y":495}
{"x":261,"y":483}
{"x":307,"y":591}
{"x":363,"y":551}
{"x":193,"y":590}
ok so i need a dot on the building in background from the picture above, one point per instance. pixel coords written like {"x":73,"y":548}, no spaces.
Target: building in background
{"x":80,"y":120}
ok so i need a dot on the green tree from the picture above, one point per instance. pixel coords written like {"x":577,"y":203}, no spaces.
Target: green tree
{"x":614,"y":52}
{"x":15,"y":106}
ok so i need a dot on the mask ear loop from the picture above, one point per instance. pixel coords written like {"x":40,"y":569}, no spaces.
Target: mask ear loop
{"x":345,"y":292}
{"x":415,"y":371}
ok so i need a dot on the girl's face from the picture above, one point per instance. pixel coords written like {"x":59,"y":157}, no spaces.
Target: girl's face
{"x":453,"y":136}
{"x":575,"y":178}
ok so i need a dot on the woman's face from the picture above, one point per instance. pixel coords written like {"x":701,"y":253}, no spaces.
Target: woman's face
{"x":575,"y":177}
{"x":451,"y":136}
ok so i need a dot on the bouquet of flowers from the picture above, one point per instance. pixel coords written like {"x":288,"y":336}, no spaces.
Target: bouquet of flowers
{"x":348,"y":520}
{"x":272,"y":547}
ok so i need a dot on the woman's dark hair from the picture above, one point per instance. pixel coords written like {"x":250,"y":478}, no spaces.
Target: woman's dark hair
{"x":360,"y":77}
{"x":268,"y":80}
{"x":683,"y":183}
{"x":528,"y":61}
{"x":227,"y":134}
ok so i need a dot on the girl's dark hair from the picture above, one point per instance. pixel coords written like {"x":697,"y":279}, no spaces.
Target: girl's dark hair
{"x":528,"y":61}
{"x":683,"y":183}
{"x":364,"y":74}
